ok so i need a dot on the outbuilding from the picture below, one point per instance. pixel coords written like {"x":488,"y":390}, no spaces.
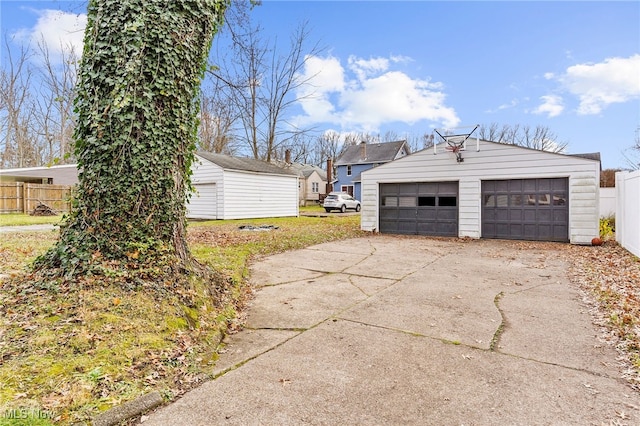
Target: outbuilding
{"x":485,"y":190}
{"x":240,"y":188}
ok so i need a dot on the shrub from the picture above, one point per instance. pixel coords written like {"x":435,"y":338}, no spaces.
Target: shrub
{"x":607,"y":227}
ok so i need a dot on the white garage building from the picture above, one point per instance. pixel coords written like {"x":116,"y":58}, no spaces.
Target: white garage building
{"x":495,"y":191}
{"x":241,"y":188}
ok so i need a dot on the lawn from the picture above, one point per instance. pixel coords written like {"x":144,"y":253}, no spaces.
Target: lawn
{"x":67,"y":354}
{"x":14,"y":219}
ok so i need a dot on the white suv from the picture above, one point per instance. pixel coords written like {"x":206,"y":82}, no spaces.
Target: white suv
{"x":340,"y":201}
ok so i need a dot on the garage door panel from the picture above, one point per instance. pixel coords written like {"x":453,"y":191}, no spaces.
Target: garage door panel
{"x":515,"y":228}
{"x":545,"y":216}
{"x":406,"y":214}
{"x":426,"y":228}
{"x":516,"y":215}
{"x":529,"y":231}
{"x":560,"y":216}
{"x":426,"y":214}
{"x":502,"y":215}
{"x":529,"y":185}
{"x":406,"y":227}
{"x":410,"y":189}
{"x":502,"y":185}
{"x":532,"y":209}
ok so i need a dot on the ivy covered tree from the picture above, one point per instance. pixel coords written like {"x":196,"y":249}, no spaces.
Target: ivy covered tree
{"x":135,"y":138}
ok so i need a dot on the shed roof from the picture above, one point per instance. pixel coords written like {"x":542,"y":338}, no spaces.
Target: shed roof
{"x":364,"y":153}
{"x":228,"y":162}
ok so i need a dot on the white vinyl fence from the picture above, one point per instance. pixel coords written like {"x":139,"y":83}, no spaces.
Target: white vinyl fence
{"x":607,"y":202}
{"x":628,"y":210}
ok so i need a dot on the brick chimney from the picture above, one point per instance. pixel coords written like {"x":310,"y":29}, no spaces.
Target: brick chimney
{"x":363,"y":150}
{"x":287,"y":156}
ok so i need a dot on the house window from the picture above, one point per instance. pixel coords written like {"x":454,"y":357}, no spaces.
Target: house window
{"x":347,"y":188}
{"x":349,"y":170}
{"x":314,"y":187}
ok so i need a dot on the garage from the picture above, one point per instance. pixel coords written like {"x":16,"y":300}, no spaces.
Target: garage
{"x":526,"y":209}
{"x":485,"y":189}
{"x":427,"y":208}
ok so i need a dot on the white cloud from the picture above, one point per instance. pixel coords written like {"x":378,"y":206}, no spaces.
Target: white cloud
{"x":551,"y":105}
{"x":599,"y":85}
{"x":59,"y":30}
{"x":369,"y":94}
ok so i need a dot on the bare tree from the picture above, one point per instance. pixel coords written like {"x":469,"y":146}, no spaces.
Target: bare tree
{"x":16,"y":110}
{"x":217,"y":120}
{"x":539,"y":137}
{"x":632,"y":154}
{"x":263,"y":82}
{"x":55,"y":116}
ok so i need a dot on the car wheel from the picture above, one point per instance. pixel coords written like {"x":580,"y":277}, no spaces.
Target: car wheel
{"x":358,"y":208}
{"x":343,"y":209}
{"x":327,"y":210}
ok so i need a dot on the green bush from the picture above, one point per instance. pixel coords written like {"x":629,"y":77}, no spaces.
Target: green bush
{"x":607,"y":227}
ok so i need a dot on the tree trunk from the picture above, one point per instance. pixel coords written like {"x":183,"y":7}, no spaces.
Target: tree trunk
{"x":137,"y":104}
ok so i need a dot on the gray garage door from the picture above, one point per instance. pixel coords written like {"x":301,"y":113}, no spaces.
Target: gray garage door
{"x":526,"y":209}
{"x":429,"y":208}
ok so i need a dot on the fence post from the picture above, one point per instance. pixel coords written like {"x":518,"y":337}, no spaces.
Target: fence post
{"x":25,"y":194}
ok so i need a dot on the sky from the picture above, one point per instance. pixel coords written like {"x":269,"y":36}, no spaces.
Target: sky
{"x":408,"y":67}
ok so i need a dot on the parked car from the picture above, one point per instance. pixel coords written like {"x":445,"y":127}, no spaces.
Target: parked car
{"x":340,"y":201}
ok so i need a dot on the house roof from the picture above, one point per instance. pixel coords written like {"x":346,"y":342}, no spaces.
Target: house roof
{"x":364,"y":153}
{"x":307,"y":170}
{"x":245,"y":164}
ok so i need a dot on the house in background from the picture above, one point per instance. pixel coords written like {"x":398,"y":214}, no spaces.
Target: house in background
{"x":358,"y":158}
{"x":241,"y":188}
{"x":312,"y":182}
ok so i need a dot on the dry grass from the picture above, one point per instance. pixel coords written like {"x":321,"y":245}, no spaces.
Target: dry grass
{"x":610,"y":277}
{"x":74,"y":353}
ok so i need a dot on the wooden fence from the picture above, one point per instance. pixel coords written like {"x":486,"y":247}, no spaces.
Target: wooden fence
{"x":21,"y":197}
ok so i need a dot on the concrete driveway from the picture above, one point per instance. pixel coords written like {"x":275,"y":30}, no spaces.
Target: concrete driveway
{"x":394,"y":330}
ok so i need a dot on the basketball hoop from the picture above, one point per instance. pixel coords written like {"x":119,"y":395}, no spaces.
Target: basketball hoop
{"x":456,"y":141}
{"x":456,"y":148}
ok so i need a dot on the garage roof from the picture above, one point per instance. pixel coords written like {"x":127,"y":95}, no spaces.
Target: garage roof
{"x":228,"y":162}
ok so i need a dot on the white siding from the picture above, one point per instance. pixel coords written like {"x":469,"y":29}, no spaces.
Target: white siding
{"x":493,"y":161}
{"x":469,"y":207}
{"x":255,"y":195}
{"x":201,"y":206}
{"x":203,"y":203}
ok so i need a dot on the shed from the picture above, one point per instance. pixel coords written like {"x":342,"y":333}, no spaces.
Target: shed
{"x":241,"y":188}
{"x":496,"y":191}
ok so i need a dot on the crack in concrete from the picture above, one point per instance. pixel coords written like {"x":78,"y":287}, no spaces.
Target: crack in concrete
{"x":495,"y":340}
